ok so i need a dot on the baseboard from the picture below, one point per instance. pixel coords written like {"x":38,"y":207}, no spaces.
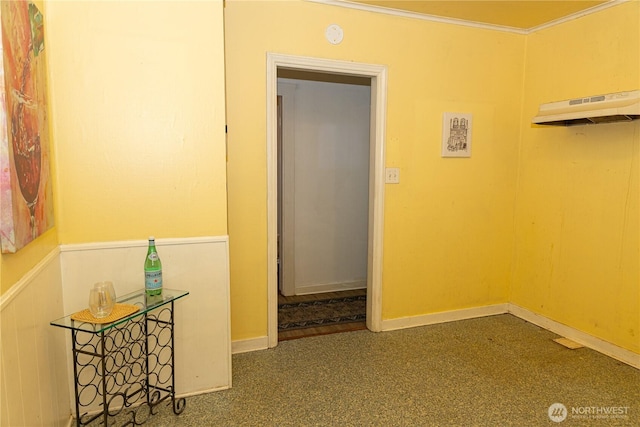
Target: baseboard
{"x":252,"y":344}
{"x":594,"y":343}
{"x":442,"y":317}
{"x":331,"y":287}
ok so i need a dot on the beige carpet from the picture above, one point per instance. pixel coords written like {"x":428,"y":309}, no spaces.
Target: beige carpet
{"x":492,"y":371}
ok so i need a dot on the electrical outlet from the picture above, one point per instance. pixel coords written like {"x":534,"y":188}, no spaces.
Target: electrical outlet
{"x":392,"y":176}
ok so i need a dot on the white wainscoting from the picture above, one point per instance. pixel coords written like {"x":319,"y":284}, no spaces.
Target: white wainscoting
{"x":34,"y":376}
{"x":202,"y":322}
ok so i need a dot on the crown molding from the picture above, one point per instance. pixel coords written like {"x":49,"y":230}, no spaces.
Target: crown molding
{"x":465,"y":23}
{"x":420,"y":16}
{"x":577,"y":15}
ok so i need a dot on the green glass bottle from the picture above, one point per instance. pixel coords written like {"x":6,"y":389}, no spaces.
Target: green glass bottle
{"x":152,"y":270}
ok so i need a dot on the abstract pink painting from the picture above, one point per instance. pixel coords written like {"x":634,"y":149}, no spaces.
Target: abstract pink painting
{"x":26,"y":205}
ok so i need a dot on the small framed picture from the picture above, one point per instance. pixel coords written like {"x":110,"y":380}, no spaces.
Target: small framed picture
{"x":456,"y":135}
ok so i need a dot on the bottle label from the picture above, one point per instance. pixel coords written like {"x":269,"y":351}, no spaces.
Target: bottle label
{"x":153,"y":279}
{"x":153,"y":256}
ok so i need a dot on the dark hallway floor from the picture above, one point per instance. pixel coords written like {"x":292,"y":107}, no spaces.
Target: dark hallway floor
{"x":320,"y":314}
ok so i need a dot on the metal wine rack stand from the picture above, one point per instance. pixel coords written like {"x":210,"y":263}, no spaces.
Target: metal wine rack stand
{"x":123,"y":370}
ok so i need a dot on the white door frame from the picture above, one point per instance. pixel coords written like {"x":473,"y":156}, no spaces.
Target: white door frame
{"x":286,"y":186}
{"x":378,"y":75}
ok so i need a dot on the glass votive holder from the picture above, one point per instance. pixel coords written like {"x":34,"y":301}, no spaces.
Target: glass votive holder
{"x":102,"y":299}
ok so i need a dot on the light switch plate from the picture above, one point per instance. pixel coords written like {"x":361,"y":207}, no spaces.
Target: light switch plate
{"x":392,"y":176}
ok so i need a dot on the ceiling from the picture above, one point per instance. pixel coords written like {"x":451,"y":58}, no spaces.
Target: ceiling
{"x":520,"y":14}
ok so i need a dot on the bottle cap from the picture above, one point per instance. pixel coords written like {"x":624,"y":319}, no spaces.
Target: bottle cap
{"x":152,"y":238}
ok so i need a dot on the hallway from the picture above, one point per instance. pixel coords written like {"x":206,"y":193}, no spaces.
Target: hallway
{"x":320,"y":314}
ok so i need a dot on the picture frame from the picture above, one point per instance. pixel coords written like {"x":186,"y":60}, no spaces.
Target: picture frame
{"x":456,"y":134}
{"x":26,"y":196}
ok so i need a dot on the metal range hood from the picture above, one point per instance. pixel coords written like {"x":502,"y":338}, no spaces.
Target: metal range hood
{"x":613,"y":107}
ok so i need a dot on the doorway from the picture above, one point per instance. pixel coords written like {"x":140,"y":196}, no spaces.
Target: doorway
{"x":323,"y":188}
{"x":377,"y":75}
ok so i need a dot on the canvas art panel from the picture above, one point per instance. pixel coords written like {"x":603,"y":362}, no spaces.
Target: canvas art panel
{"x":456,"y":135}
{"x":26,"y":205}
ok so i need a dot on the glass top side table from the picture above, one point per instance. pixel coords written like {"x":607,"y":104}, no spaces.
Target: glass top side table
{"x":137,"y":298}
{"x":124,"y":369}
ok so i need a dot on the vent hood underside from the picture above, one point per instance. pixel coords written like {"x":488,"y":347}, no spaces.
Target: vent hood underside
{"x":613,"y":107}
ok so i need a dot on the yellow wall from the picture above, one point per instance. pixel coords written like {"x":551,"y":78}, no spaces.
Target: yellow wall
{"x":14,"y":266}
{"x":138,"y":119}
{"x":577,"y":240}
{"x":449,"y":223}
{"x":138,"y":111}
